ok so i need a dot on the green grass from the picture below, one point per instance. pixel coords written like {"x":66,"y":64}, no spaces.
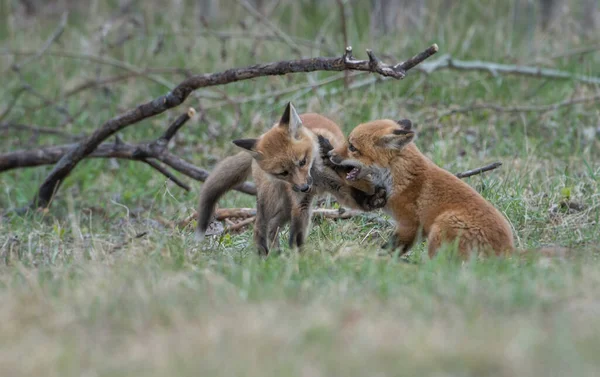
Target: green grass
{"x":82,"y":296}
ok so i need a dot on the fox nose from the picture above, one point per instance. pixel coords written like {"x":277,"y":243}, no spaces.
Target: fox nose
{"x":304,"y":188}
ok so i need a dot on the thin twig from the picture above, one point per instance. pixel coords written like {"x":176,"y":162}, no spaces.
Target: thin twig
{"x":262,"y":19}
{"x":446,"y":62}
{"x":51,"y":39}
{"x":167,"y":174}
{"x":174,"y":98}
{"x":472,"y":172}
{"x":127,"y":241}
{"x":12,"y":103}
{"x":239,"y":225}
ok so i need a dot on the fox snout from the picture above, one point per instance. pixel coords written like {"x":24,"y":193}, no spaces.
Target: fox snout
{"x":304,"y":187}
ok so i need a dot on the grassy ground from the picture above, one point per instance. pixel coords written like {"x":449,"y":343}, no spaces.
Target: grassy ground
{"x":79,"y":297}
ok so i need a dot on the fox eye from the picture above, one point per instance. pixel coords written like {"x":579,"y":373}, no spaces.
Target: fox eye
{"x":284,"y":173}
{"x":303,"y":162}
{"x":352,"y":148}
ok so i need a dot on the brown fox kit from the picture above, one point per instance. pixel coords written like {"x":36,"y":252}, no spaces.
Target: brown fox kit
{"x":286,"y":163}
{"x":422,"y":197}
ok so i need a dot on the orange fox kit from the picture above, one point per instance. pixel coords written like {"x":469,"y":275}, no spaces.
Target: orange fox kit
{"x":286,"y":163}
{"x":422,"y":197}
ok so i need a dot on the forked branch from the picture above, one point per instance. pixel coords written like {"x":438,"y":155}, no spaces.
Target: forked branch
{"x":175,"y":97}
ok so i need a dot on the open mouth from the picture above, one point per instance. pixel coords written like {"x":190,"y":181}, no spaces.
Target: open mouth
{"x":353,"y":174}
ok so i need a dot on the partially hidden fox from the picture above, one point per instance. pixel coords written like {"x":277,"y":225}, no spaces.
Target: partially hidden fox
{"x":286,"y":163}
{"x":424,"y":199}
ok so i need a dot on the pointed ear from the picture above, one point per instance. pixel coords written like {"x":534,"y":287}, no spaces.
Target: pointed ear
{"x":405,"y":124}
{"x":291,"y":121}
{"x":249,"y":145}
{"x":398,"y":139}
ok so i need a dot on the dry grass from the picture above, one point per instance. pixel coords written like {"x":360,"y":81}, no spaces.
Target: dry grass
{"x":79,"y":299}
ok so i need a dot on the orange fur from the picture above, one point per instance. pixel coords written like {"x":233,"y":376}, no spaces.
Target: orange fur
{"x":422,"y":196}
{"x":288,"y":170}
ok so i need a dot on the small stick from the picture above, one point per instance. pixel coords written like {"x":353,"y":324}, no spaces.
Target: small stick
{"x":241,"y":224}
{"x":126,"y":242}
{"x":480,"y":170}
{"x":167,"y":174}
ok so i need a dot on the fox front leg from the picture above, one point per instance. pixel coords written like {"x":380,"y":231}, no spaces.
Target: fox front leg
{"x":403,"y":239}
{"x":300,"y":221}
{"x":370,"y":202}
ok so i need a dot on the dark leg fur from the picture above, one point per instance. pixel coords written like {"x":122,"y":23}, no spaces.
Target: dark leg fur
{"x":300,"y":220}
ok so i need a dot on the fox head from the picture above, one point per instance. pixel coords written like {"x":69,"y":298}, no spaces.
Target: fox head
{"x":286,"y":152}
{"x":372,"y":145}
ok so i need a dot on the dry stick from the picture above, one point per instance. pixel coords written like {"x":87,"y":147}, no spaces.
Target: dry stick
{"x":121,"y":245}
{"x":167,"y":174}
{"x":141,"y":152}
{"x":240,"y":225}
{"x":472,"y":172}
{"x":280,"y":34}
{"x":446,"y":62}
{"x":174,"y":98}
{"x":12,"y":104}
{"x":53,"y":38}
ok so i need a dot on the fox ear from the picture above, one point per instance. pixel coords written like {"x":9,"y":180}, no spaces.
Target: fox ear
{"x":405,"y":124}
{"x":250,"y":146}
{"x":398,"y":139}
{"x":291,"y":121}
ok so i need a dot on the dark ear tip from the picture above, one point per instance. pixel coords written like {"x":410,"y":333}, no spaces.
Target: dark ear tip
{"x":403,"y":132}
{"x":285,"y":118}
{"x":405,"y":123}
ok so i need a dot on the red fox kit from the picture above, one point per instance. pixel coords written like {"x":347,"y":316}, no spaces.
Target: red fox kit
{"x":422,"y":197}
{"x":286,"y":163}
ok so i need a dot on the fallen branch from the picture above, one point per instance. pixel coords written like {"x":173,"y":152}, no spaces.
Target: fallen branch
{"x":150,"y":153}
{"x":483,"y":169}
{"x":174,"y":98}
{"x":446,"y":62}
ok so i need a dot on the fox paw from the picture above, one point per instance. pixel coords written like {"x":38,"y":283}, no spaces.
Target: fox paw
{"x":324,"y":148}
{"x":377,"y":200}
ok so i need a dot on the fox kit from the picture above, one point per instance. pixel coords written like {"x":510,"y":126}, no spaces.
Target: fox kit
{"x":286,"y":163}
{"x":422,"y":197}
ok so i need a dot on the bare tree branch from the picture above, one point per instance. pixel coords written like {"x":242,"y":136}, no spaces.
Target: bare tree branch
{"x":138,"y":152}
{"x":472,"y":172}
{"x":280,"y":34}
{"x":51,"y":39}
{"x":157,"y":166}
{"x":447,"y":62}
{"x":174,"y":98}
{"x":12,"y":103}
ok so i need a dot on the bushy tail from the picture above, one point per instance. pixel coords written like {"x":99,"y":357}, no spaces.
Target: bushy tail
{"x":228,"y":173}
